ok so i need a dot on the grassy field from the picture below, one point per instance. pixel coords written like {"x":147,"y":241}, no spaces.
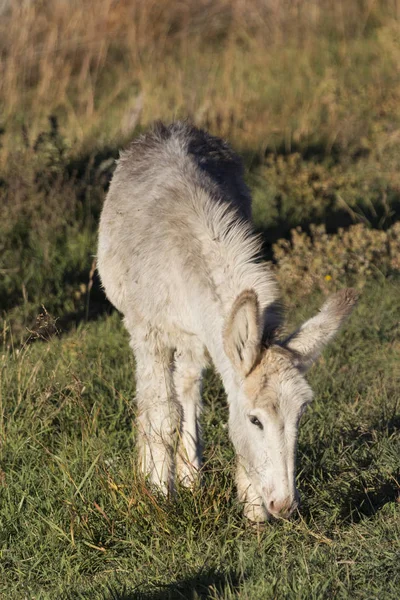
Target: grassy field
{"x":309,"y":93}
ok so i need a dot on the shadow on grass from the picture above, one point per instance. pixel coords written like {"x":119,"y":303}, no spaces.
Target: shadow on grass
{"x":363,"y":500}
{"x":360,"y":504}
{"x":315,"y":151}
{"x":202,"y":586}
{"x":95,"y":305}
{"x":332,"y":217}
{"x":369,"y":491}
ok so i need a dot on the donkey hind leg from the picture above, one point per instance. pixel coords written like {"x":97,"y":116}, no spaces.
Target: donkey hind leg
{"x":159,"y":415}
{"x":189,"y":365}
{"x":253,"y":507}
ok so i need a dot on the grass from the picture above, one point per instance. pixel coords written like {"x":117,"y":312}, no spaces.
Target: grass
{"x":77,"y":521}
{"x":308,"y":93}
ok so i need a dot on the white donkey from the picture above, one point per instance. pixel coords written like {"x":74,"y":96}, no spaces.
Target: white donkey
{"x":177,"y":256}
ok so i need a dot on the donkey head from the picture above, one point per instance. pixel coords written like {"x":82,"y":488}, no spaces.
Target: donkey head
{"x":271,"y":395}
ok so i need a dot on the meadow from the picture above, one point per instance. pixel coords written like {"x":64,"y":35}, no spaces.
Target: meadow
{"x":308,"y":92}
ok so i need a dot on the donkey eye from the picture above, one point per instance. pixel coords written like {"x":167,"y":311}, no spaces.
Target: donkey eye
{"x":255,"y":421}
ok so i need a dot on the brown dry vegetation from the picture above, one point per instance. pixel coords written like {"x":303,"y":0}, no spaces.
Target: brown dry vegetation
{"x":263,"y":72}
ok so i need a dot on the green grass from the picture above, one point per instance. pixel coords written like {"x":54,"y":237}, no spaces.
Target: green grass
{"x":76,"y":520}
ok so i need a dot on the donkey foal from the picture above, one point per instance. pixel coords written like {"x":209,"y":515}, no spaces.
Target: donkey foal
{"x":178,"y":257}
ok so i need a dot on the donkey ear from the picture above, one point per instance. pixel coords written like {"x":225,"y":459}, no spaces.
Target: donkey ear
{"x":310,"y":339}
{"x":242,"y":335}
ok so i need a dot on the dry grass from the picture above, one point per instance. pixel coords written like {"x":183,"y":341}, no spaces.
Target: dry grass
{"x":261,"y":72}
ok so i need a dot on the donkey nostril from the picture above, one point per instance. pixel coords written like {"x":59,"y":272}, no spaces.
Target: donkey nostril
{"x":274,"y":506}
{"x":278,"y":507}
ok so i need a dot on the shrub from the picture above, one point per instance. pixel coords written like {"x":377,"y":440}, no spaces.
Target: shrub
{"x":324,"y":261}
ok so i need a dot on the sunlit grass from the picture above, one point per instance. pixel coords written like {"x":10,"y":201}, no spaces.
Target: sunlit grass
{"x":75,"y":514}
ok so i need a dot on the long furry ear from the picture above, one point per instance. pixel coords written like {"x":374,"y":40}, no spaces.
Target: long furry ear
{"x":242,"y":333}
{"x":311,"y":338}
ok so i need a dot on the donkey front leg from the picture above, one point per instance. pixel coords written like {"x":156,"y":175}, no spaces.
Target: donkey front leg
{"x":189,"y":364}
{"x":159,"y":415}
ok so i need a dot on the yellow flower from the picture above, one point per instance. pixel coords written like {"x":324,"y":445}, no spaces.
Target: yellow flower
{"x":328,"y":277}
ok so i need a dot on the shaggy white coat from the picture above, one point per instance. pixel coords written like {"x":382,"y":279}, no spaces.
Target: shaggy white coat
{"x":178,"y":257}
